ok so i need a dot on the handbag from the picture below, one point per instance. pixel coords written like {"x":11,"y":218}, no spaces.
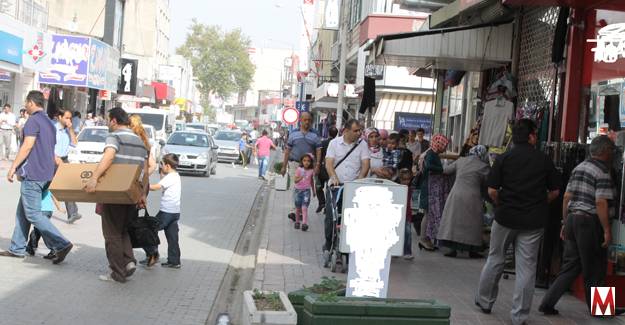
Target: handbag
{"x":143,"y":230}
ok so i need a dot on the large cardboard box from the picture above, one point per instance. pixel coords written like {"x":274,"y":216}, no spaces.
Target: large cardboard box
{"x":121,"y":184}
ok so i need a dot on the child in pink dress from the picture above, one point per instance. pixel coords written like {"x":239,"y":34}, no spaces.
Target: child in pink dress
{"x":303,"y":184}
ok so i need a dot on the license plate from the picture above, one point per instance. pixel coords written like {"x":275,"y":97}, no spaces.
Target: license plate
{"x":184,"y":163}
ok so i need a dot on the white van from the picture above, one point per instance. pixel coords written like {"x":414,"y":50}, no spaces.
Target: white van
{"x":162,"y":120}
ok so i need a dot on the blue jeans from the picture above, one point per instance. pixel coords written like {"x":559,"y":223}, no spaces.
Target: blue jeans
{"x":263,"y":163}
{"x":408,"y":238}
{"x":29,"y":212}
{"x":169,"y":223}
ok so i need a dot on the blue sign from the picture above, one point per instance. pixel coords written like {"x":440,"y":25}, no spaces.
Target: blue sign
{"x":413,"y":121}
{"x":98,"y":56}
{"x":302,"y":106}
{"x":68,"y":62}
{"x":11,"y":48}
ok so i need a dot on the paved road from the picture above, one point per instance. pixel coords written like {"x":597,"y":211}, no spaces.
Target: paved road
{"x":33,"y":291}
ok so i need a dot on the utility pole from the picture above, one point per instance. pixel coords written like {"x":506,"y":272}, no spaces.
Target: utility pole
{"x":342,"y":63}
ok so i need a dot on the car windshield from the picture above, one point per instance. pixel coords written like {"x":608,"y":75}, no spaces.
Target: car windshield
{"x":195,"y":127}
{"x":228,"y":136}
{"x":188,"y":139}
{"x":155,"y":120}
{"x":93,"y":135}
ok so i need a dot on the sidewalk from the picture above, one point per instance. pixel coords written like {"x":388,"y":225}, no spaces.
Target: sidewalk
{"x":287,"y":259}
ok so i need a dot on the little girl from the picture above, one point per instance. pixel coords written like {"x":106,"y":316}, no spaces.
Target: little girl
{"x":303,"y":184}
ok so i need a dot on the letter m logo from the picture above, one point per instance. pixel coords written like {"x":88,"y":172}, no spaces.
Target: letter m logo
{"x":602,"y":301}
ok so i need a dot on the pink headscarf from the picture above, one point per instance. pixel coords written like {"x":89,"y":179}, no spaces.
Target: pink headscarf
{"x":367,"y":133}
{"x":439,"y":143}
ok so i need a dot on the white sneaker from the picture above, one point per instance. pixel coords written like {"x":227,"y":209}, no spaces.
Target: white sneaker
{"x":233,"y":166}
{"x":106,"y":277}
{"x":130,"y":269}
{"x":245,"y":167}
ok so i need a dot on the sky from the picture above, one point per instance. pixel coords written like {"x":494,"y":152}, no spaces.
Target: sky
{"x":268,"y":23}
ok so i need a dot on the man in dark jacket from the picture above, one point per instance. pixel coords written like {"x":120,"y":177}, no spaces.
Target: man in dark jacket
{"x":323,"y":177}
{"x":521,"y":183}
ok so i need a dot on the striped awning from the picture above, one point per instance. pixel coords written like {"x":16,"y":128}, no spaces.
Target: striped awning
{"x":384,"y":117}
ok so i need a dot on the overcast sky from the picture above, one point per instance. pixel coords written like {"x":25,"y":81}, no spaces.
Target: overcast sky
{"x":269,"y":23}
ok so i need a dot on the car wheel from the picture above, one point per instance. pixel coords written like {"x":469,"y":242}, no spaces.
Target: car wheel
{"x":214,"y":170}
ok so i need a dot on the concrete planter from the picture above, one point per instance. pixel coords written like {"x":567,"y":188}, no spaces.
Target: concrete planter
{"x":252,"y":316}
{"x":374,"y":311}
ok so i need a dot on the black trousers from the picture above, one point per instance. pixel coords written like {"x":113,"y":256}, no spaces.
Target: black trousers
{"x":582,"y":254}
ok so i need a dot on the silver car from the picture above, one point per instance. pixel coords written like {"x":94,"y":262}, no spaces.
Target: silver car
{"x":228,"y":142}
{"x":196,"y":151}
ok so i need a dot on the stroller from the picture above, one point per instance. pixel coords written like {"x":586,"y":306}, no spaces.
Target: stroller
{"x":333,"y":258}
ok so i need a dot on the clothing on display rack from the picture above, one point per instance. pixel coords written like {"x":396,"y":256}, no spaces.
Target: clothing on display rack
{"x":497,"y":114}
{"x":504,"y":86}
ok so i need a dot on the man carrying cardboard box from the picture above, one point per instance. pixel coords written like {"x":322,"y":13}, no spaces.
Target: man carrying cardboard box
{"x":35,"y":165}
{"x":122,"y":147}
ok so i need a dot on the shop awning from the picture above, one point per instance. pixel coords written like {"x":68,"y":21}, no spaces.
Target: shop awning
{"x":145,"y":94}
{"x":390,"y":104}
{"x":164,"y":91}
{"x":578,"y":4}
{"x":467,"y":48}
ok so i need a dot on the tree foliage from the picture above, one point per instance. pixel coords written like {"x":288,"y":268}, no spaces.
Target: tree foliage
{"x":219,"y":58}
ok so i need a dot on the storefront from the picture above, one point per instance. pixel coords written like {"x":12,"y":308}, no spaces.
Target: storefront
{"x":77,"y":68}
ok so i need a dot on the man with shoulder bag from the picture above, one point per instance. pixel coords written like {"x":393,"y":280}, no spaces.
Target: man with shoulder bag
{"x":347,"y":159}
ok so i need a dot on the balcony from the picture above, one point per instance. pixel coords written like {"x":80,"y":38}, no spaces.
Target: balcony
{"x":30,"y":12}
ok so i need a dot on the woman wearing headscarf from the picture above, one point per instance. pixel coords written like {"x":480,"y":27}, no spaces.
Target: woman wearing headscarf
{"x":383,"y":137}
{"x":372,"y":136}
{"x":429,"y":164}
{"x":461,"y":225}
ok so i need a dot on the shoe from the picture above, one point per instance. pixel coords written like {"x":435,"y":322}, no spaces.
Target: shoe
{"x":30,"y":250}
{"x":548,"y":311}
{"x":171,"y":266}
{"x":475,"y":255}
{"x":131,"y":267}
{"x":51,"y":255}
{"x":292,"y":216}
{"x":427,"y":248}
{"x":152,"y":260}
{"x":452,"y":253}
{"x":297,"y":225}
{"x":304,"y":227}
{"x":60,"y":255}
{"x":484,"y":310}
{"x":408,"y":257}
{"x":74,"y":218}
{"x":320,"y":208}
{"x":9,"y":254}
{"x":112,"y":277}
{"x":326,"y":258}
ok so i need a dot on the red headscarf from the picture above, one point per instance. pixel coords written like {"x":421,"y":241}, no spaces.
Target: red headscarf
{"x":439,"y":143}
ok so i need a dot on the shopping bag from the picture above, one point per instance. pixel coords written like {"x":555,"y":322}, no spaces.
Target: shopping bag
{"x":143,"y":230}
{"x":281,"y":182}
{"x":13,"y":145}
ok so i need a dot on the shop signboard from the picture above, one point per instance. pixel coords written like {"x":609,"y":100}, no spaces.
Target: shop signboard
{"x":610,"y":43}
{"x":5,"y":75}
{"x":69,"y":61}
{"x":128,"y":80}
{"x":302,"y":106}
{"x":11,"y":48}
{"x":37,"y":48}
{"x":98,"y":56}
{"x":413,"y":121}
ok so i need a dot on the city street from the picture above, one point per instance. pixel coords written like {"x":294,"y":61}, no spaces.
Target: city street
{"x":214,"y":210}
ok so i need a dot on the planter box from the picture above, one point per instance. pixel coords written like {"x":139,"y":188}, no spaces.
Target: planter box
{"x":374,"y":311}
{"x":252,"y":316}
{"x":281,"y":183}
{"x":297,"y":299}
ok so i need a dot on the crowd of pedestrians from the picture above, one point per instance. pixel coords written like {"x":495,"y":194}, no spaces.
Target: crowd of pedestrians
{"x":45,"y":142}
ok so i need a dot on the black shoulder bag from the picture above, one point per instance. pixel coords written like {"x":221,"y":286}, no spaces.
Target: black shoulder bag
{"x":143,"y":231}
{"x":347,"y":155}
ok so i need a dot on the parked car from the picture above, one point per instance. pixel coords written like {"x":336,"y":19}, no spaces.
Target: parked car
{"x":154,"y":143}
{"x":196,"y":151}
{"x":90,"y":145}
{"x":228,"y":142}
{"x":196,"y":126}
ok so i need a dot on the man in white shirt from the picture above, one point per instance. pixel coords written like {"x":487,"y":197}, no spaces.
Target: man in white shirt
{"x":347,"y":159}
{"x":356,"y":165}
{"x":7,"y":126}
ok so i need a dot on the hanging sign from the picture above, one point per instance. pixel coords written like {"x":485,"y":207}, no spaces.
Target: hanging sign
{"x":290,"y":116}
{"x":128,"y":80}
{"x":97,"y":65}
{"x":610,"y":43}
{"x":69,"y":61}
